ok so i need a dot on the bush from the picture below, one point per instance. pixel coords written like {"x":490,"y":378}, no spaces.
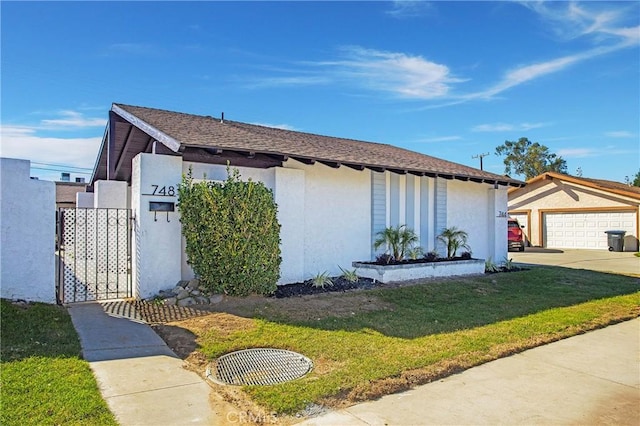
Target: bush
{"x":398,"y":241}
{"x":232,"y":234}
{"x":454,"y":239}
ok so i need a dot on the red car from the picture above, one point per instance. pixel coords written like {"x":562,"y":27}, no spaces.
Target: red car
{"x":515,"y":235}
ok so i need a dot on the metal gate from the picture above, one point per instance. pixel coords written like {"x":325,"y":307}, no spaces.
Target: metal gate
{"x":94,"y":254}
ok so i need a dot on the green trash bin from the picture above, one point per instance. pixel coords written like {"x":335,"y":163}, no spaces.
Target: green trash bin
{"x":615,"y":240}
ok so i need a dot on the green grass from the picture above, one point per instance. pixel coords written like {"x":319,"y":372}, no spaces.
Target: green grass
{"x":44,"y":380}
{"x":429,"y":331}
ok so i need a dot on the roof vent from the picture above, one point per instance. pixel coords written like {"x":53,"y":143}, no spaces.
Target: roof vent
{"x":222,"y":118}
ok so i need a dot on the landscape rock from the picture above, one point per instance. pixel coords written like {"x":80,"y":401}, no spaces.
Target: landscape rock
{"x":194,"y":284}
{"x":183,"y":294}
{"x":188,"y":301}
{"x":215,"y":299}
{"x":170,"y":301}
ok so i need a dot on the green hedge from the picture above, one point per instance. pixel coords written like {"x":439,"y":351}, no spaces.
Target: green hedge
{"x":232,"y":234}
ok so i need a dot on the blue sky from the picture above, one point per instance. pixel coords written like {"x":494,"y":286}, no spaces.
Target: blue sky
{"x":448,"y":79}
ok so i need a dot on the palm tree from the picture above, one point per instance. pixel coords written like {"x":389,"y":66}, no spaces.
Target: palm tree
{"x":398,"y":240}
{"x":454,"y":239}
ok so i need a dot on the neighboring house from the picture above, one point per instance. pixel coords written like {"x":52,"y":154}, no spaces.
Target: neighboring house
{"x":333,"y":194}
{"x":561,"y":211}
{"x":66,"y":193}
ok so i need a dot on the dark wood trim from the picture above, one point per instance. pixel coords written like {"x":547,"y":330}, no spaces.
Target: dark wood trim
{"x":358,"y":167}
{"x":332,"y":164}
{"x":235,"y":159}
{"x":111,"y":147}
{"x":303,"y":160}
{"x":124,"y":150}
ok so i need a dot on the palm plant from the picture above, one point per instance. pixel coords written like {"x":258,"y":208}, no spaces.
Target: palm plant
{"x":398,"y":240}
{"x":454,"y":239}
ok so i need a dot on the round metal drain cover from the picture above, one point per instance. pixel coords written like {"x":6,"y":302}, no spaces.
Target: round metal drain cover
{"x":259,"y":366}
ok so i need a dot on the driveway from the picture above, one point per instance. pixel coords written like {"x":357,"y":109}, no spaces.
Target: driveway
{"x":596,"y":260}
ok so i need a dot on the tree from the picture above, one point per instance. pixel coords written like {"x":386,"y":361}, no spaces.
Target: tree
{"x":636,"y":179}
{"x":529,"y":159}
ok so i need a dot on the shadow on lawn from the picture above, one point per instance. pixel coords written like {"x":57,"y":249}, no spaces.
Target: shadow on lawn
{"x":449,"y":305}
{"x":434,"y":307}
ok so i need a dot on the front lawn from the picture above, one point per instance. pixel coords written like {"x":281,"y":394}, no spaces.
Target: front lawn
{"x":44,"y":380}
{"x":365,"y":344}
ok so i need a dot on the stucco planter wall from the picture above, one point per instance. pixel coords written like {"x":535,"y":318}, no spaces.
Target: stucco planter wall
{"x":412,"y":271}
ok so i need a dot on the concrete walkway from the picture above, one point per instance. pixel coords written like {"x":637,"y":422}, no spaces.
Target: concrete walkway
{"x":142,"y":380}
{"x":592,"y":378}
{"x":595,"y":260}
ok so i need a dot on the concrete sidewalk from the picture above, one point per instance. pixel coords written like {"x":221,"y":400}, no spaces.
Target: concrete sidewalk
{"x":142,"y":380}
{"x":590,"y":379}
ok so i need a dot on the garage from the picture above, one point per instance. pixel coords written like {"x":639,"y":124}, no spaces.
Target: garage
{"x":573,"y":212}
{"x":585,"y":230}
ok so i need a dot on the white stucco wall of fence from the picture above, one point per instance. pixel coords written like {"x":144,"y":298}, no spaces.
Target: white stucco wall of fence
{"x":27,"y":245}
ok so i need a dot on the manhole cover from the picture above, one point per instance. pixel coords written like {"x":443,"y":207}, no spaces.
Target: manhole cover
{"x":260,"y":366}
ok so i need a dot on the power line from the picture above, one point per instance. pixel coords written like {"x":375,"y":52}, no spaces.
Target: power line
{"x":60,"y":165}
{"x":61,"y":170}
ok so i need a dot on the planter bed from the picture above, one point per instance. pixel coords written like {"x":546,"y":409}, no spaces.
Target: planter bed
{"x":416,"y":270}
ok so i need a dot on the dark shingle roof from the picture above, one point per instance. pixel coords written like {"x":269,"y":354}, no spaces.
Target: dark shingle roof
{"x":209,"y":132}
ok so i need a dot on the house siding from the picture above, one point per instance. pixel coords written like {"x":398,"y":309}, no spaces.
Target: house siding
{"x":378,"y":207}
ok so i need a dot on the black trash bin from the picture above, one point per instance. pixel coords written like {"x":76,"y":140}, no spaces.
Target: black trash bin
{"x":615,"y":240}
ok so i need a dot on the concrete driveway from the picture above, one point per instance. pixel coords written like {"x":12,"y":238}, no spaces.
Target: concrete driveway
{"x":596,"y":260}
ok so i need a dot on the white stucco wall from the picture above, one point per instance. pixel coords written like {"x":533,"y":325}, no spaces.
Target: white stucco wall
{"x":84,"y":200}
{"x":337,"y":215}
{"x":27,"y":246}
{"x":157,"y":235}
{"x":476,"y":208}
{"x":110,"y":194}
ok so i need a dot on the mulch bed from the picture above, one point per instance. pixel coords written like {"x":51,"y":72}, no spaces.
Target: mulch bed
{"x":305,"y":288}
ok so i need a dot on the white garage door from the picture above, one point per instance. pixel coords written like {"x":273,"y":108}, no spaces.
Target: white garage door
{"x":585,"y":230}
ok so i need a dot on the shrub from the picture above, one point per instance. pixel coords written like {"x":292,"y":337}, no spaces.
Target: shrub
{"x":432,"y":256}
{"x":490,"y":266}
{"x":398,"y":240}
{"x":465,"y":255}
{"x":454,"y":239}
{"x":232,"y":234}
{"x":349,"y":275}
{"x":322,"y":280}
{"x":384,"y":258}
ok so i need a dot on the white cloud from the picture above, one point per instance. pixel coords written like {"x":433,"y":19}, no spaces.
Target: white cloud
{"x":24,"y":143}
{"x":505,"y":127}
{"x":73,"y":119}
{"x":276,"y":126}
{"x":403,"y":75}
{"x":598,"y":20}
{"x":619,"y":134}
{"x":409,"y":9}
{"x":266,"y":82}
{"x":606,"y":28}
{"x":577,"y":152}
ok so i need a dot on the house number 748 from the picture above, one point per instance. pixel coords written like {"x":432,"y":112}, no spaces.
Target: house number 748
{"x":166,"y":191}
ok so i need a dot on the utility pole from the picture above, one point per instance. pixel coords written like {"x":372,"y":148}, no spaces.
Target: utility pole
{"x":480,"y":156}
